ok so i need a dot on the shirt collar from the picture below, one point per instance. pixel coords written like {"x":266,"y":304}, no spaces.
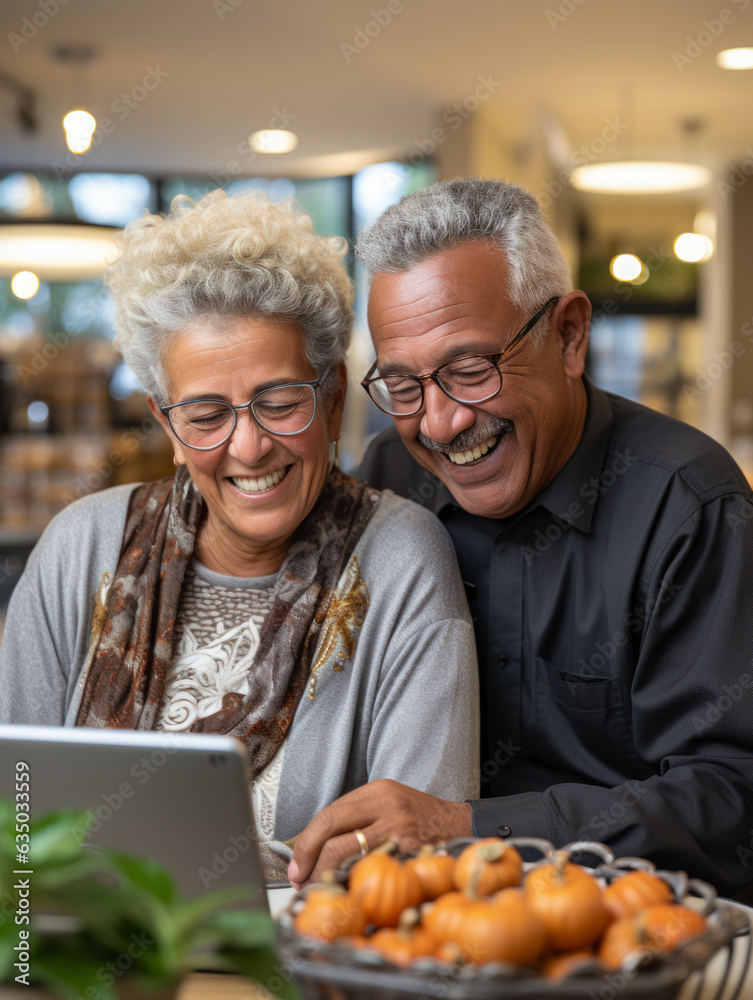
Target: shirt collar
{"x":564,"y":496}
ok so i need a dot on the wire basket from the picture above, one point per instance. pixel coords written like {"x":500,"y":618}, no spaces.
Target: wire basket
{"x":338,"y":971}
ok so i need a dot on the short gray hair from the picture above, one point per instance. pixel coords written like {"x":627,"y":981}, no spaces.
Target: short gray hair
{"x":452,"y":212}
{"x":224,"y":258}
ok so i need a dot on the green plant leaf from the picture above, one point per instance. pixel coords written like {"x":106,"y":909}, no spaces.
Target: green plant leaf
{"x":55,"y":836}
{"x":146,"y":874}
{"x":117,"y":900}
{"x":244,"y":928}
{"x":72,"y":975}
{"x":264,"y":966}
{"x":189,"y":913}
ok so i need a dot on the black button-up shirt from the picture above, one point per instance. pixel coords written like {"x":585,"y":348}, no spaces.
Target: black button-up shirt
{"x":614,"y":621}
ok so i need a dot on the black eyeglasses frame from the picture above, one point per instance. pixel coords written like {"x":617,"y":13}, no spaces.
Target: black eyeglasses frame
{"x":421,"y":379}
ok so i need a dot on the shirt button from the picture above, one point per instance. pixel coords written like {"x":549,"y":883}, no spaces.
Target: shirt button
{"x":503,"y":831}
{"x":503,"y":661}
{"x":509,"y":533}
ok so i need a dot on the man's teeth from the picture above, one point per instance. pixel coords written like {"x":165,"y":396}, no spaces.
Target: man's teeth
{"x":463,"y":457}
{"x":261,"y":484}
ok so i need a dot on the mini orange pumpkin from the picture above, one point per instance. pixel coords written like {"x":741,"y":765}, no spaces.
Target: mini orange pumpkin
{"x":569,"y":902}
{"x":670,"y":925}
{"x":502,"y":930}
{"x":329,"y":912}
{"x":434,"y":870}
{"x":405,"y":943}
{"x":490,"y":864}
{"x":443,"y":917}
{"x":383,"y":887}
{"x":635,"y":891}
{"x":658,"y":928}
{"x":449,"y":952}
{"x":559,"y":966}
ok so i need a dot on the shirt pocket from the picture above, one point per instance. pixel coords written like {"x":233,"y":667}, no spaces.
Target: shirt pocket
{"x":584,"y":719}
{"x":577,"y":693}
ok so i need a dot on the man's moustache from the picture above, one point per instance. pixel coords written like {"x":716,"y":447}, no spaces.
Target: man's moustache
{"x":469,"y":438}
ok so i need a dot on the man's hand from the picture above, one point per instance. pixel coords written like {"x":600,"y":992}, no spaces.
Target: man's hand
{"x":382,"y":810}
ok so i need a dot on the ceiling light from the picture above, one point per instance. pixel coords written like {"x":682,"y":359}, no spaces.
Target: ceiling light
{"x":79,"y":127}
{"x":25,"y":284}
{"x":56,"y":252}
{"x":642,"y":277}
{"x":741,"y":58}
{"x":37,"y":412}
{"x":625,"y":267}
{"x":693,"y":247}
{"x":273,"y":140}
{"x":640,"y":177}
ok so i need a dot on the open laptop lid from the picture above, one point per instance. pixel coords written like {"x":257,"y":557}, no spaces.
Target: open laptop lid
{"x":182,"y":799}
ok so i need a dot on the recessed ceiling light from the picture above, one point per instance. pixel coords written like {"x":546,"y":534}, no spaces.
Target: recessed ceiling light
{"x":693,"y":247}
{"x":273,"y":140}
{"x":79,"y":128}
{"x":25,"y":284}
{"x":741,"y":58}
{"x":625,"y":267}
{"x":640,"y":177}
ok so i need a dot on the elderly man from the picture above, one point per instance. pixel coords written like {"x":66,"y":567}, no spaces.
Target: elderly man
{"x":607,"y":552}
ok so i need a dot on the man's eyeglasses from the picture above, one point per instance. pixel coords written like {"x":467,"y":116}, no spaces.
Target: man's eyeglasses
{"x":472,"y":379}
{"x":204,"y":424}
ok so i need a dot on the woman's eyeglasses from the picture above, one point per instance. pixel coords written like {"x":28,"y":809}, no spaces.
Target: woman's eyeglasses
{"x":204,"y":424}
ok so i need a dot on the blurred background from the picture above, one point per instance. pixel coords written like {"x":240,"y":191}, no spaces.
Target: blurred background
{"x":632,"y":123}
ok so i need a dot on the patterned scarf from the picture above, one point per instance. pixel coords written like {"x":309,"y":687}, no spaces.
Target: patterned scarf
{"x":126,"y":677}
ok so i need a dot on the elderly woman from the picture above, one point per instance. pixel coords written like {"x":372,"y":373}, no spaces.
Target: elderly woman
{"x":260,"y":592}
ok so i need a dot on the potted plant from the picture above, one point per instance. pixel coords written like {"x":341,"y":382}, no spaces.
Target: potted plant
{"x":113,"y":921}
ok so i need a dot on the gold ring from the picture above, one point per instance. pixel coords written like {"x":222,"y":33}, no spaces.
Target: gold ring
{"x":362,"y":841}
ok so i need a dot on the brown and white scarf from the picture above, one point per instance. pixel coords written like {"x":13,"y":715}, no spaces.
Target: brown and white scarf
{"x":128,"y":664}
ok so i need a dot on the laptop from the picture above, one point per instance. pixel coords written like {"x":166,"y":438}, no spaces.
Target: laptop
{"x":182,"y":799}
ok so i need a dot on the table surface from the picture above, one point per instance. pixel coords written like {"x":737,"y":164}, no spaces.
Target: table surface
{"x":206,"y":986}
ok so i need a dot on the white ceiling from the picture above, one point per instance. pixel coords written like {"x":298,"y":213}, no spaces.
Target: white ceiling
{"x":232,"y":66}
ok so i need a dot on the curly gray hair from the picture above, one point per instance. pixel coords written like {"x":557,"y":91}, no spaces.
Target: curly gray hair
{"x":452,"y":212}
{"x":223,"y":258}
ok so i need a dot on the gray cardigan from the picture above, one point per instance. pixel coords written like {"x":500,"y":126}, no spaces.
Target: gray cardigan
{"x":406,"y":708}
